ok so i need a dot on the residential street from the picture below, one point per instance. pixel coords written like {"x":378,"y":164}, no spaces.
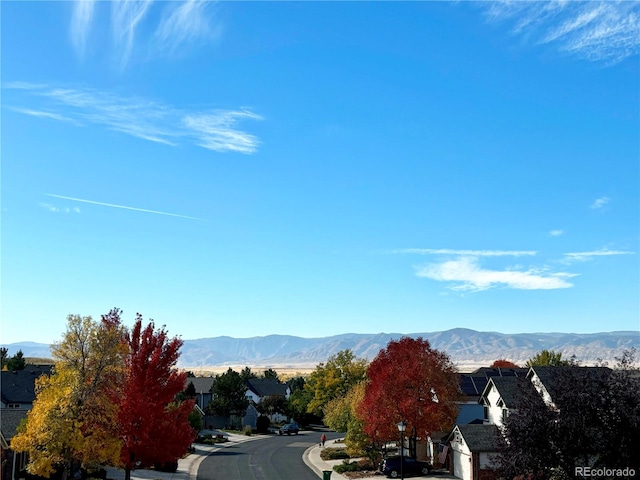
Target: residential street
{"x":273,"y":458}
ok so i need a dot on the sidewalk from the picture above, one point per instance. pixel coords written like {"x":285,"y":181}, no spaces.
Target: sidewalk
{"x":312,"y":458}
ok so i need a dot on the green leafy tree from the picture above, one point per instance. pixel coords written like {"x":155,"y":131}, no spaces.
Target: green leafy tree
{"x":16,"y":362}
{"x":270,"y":374}
{"x":547,"y":358}
{"x":273,"y":404}
{"x":187,"y":393}
{"x":296,"y":383}
{"x":195,"y":420}
{"x":74,"y":417}
{"x":334,"y":379}
{"x":247,"y":374}
{"x":229,"y":394}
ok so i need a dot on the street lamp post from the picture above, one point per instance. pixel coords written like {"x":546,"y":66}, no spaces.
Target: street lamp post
{"x":402,"y":426}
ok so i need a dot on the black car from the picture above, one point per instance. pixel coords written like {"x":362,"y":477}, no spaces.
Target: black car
{"x":410,"y":466}
{"x":289,"y":428}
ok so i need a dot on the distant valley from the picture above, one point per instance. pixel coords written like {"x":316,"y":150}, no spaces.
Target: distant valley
{"x":467,"y":348}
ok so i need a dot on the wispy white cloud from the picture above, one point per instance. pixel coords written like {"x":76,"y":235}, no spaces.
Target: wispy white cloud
{"x":125,"y":17}
{"x":474,"y":253}
{"x":81,"y":20}
{"x":215,"y":129}
{"x":556,"y":233}
{"x":183,"y":23}
{"x":54,"y":209}
{"x":466,"y":274}
{"x":600,"y":202}
{"x":144,"y":27}
{"x":584,"y":256}
{"x":603,"y":31}
{"x":125,"y":207}
{"x":44,"y":114}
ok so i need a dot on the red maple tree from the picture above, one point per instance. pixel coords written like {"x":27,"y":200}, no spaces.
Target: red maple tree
{"x":154,"y":427}
{"x":409,"y":381}
{"x":502,"y":363}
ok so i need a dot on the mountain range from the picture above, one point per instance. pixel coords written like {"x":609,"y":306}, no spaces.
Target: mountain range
{"x":466,"y":347}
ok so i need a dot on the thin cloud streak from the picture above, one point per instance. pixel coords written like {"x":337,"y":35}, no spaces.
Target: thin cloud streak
{"x":124,"y":207}
{"x":600,"y":31}
{"x":556,"y":233}
{"x":473,"y":253}
{"x":583,"y":256}
{"x":215,"y":130}
{"x":125,"y":17}
{"x":81,"y":20}
{"x":43,"y":114}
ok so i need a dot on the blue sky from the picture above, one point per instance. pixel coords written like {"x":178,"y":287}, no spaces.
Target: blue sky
{"x":243,"y":169}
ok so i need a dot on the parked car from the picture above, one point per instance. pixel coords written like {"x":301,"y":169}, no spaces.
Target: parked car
{"x":410,"y":466}
{"x":289,"y":428}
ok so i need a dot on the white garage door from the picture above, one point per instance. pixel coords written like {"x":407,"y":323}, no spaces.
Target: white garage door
{"x":461,"y":465}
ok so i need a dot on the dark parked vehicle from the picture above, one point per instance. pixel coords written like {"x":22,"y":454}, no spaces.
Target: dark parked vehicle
{"x":289,"y":428}
{"x":410,"y":466}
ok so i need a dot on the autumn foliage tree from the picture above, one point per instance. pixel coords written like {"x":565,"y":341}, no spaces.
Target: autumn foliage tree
{"x":502,"y":363}
{"x":154,"y":426}
{"x":409,"y":381}
{"x":74,"y":418}
{"x":333,"y":379}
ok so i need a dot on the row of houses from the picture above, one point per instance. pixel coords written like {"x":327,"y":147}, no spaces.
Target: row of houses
{"x":257,"y":390}
{"x":469,"y":450}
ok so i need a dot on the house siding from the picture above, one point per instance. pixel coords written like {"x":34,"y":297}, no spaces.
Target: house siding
{"x":495,"y":411}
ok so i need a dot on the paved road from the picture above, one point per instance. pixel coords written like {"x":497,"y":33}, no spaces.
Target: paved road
{"x":272,"y":458}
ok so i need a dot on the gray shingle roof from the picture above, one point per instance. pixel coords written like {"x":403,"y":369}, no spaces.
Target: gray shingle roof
{"x":9,"y":420}
{"x":267,"y":387}
{"x":18,"y":386}
{"x":201,"y":384}
{"x":480,"y":438}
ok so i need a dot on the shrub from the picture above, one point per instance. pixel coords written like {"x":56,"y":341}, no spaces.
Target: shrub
{"x":347,"y":466}
{"x":263,"y":423}
{"x":334,"y":454}
{"x":247,"y":430}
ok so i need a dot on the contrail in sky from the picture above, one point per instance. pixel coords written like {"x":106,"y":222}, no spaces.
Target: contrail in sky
{"x":124,"y":207}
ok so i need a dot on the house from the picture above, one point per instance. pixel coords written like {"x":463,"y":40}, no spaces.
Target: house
{"x":472,"y":385}
{"x":202,"y":386}
{"x":471,"y":451}
{"x":17,"y":393}
{"x":261,"y":388}
{"x":500,"y":396}
{"x":544,"y":379}
{"x":257,"y":390}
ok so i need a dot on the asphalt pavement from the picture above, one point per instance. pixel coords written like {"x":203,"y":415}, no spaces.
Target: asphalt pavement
{"x":188,"y":466}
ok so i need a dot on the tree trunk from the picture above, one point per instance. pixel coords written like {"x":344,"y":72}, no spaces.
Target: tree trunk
{"x":127,"y":473}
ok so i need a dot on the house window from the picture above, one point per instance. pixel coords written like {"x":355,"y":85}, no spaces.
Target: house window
{"x":486,"y":412}
{"x":13,"y":405}
{"x":505,"y":414}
